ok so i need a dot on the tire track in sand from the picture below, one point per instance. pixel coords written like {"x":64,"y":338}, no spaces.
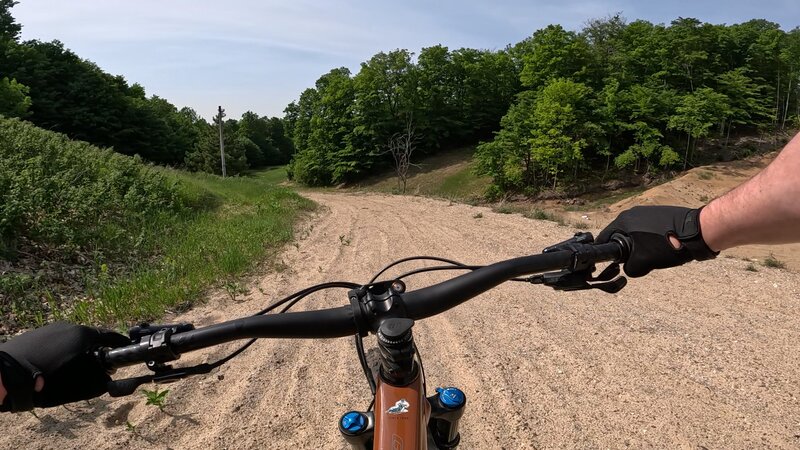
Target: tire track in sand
{"x":697,"y":356}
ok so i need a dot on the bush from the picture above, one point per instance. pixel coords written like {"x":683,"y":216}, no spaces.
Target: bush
{"x":70,"y":195}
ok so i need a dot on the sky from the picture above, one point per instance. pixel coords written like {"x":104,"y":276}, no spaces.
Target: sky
{"x":259,"y":55}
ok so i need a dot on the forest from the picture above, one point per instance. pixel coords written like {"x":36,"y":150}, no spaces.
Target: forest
{"x":545,"y":112}
{"x":55,"y":89}
{"x":620,"y":96}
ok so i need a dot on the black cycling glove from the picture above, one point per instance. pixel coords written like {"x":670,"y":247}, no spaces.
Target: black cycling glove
{"x":649,"y":228}
{"x":61,"y":354}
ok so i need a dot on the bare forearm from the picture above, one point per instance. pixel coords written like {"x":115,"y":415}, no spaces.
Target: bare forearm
{"x":763,"y":210}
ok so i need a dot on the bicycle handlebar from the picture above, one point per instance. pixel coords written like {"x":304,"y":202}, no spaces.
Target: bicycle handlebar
{"x":340,"y":322}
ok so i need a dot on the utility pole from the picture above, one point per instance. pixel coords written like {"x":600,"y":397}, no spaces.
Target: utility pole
{"x":220,"y":115}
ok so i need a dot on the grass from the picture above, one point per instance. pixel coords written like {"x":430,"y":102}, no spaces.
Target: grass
{"x":461,"y":185}
{"x":705,"y":175}
{"x":751,"y":268}
{"x":601,"y":200}
{"x":528,"y":212}
{"x":772,"y":262}
{"x":448,"y":175}
{"x":540,"y":214}
{"x":236,"y":223}
{"x":505,"y":209}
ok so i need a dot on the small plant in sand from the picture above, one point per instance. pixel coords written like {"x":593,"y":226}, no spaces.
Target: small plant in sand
{"x":156,"y":398}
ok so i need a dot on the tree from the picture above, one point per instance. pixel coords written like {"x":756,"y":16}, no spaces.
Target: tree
{"x":790,"y":57}
{"x":542,"y":134}
{"x":563,"y":128}
{"x":604,"y":38}
{"x":689,"y":43}
{"x":508,"y":158}
{"x":639,"y":53}
{"x":14,"y":100}
{"x":697,"y":113}
{"x":9,"y":29}
{"x":556,"y":53}
{"x":647,"y":146}
{"x":280,"y":140}
{"x":749,"y":106}
{"x":382,"y":97}
{"x":256,"y":130}
{"x":563,"y":100}
{"x":436,"y":81}
{"x":401,"y":146}
{"x":205,"y":157}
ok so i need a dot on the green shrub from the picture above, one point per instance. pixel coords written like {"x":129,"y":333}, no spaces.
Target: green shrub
{"x":71,"y":196}
{"x":773,"y":262}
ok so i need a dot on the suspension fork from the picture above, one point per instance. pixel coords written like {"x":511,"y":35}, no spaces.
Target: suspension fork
{"x":404,"y":418}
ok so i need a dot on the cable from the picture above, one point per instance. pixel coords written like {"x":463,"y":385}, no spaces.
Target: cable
{"x":309,"y":290}
{"x":436,"y":268}
{"x":414,"y":258}
{"x":362,"y":357}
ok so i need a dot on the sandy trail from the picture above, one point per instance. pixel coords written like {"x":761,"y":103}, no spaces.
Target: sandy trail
{"x":703,"y":356}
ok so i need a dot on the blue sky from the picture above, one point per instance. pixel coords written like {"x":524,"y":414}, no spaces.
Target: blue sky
{"x":260,"y":54}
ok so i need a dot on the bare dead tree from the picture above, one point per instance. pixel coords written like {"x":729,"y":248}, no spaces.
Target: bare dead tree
{"x":402,"y":145}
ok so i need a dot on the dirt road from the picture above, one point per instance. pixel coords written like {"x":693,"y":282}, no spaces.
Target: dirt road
{"x":703,"y":356}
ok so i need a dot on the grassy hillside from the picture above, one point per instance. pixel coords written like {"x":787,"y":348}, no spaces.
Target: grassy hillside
{"x":96,"y":237}
{"x":447,"y":175}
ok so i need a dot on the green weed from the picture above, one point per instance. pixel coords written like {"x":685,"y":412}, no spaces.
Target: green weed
{"x":504,"y":209}
{"x":772,"y":262}
{"x":751,"y":268}
{"x":234,"y":288}
{"x":705,"y":175}
{"x":540,"y":214}
{"x":478,"y":216}
{"x":156,"y":398}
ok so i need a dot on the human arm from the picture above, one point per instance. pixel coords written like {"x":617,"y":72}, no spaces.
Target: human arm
{"x":763,"y":210}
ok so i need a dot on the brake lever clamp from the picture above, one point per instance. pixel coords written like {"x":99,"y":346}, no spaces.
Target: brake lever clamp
{"x":579,"y":276}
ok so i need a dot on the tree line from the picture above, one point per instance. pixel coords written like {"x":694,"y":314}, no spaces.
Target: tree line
{"x":341,"y":128}
{"x":548,"y":110}
{"x":52,"y":87}
{"x":544,"y":112}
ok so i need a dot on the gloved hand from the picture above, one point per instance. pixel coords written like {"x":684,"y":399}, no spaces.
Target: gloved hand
{"x":61,"y":354}
{"x":650,"y":227}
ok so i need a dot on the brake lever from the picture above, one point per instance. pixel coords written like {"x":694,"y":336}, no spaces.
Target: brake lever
{"x":566,"y":280}
{"x":127,"y":386}
{"x":608,"y":274}
{"x":579,"y":277}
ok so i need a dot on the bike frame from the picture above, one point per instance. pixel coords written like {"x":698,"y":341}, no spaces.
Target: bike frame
{"x":404,"y":429}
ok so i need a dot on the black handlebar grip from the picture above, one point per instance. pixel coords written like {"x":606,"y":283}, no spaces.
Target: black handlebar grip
{"x":625,"y":246}
{"x":616,"y":249}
